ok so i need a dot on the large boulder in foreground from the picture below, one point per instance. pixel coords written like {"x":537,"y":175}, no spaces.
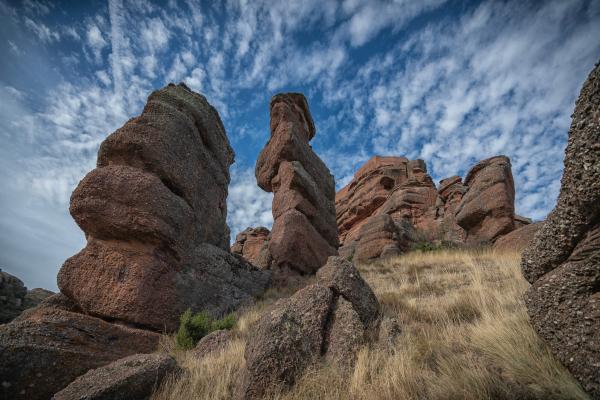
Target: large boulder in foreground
{"x":154,"y":214}
{"x":330,"y":319}
{"x":133,"y":377}
{"x":47,"y":347}
{"x":563,"y":261}
{"x":487,"y":209}
{"x":304,"y":231}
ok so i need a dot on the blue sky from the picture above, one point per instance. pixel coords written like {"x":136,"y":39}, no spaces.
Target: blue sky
{"x":451,"y":82}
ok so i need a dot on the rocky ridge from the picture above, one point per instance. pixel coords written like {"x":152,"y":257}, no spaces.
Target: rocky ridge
{"x":392,"y":203}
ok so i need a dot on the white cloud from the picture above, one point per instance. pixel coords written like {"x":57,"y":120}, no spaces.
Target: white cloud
{"x":45,"y":34}
{"x":368,"y":18}
{"x":155,"y":35}
{"x":95,"y":40}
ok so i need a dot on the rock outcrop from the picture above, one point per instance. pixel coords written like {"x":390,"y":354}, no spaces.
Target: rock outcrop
{"x":487,"y":209}
{"x":154,"y":215}
{"x":133,"y":377}
{"x":330,"y":319}
{"x":253,"y":245}
{"x":304,"y":231}
{"x":519,"y":239}
{"x":563,"y":261}
{"x":478,"y":210}
{"x":15,"y":298}
{"x":47,"y":347}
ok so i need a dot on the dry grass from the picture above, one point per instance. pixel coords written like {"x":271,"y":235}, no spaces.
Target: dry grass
{"x":465,"y":335}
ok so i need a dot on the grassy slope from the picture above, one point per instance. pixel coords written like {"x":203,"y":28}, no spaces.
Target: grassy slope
{"x":465,"y":335}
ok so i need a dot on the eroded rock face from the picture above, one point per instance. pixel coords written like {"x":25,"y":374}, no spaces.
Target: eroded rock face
{"x":331,"y":318}
{"x":304,"y":231}
{"x":478,"y":210}
{"x":133,"y":377}
{"x":519,"y":239}
{"x":370,"y":188}
{"x":487,"y":209}
{"x":563,"y":261}
{"x":252,"y":244}
{"x":154,"y":214}
{"x":47,"y":347}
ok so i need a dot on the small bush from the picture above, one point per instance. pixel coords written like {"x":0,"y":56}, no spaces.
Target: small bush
{"x":424,"y":246}
{"x":193,"y":327}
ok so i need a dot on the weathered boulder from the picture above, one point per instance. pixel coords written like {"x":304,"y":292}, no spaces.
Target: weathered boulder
{"x":304,"y":231}
{"x":487,"y":208}
{"x":330,"y":319}
{"x":563,"y":261}
{"x":154,"y":214}
{"x":133,"y":377}
{"x":252,"y":244}
{"x":519,"y":239}
{"x":213,"y":342}
{"x":47,"y":347}
{"x":12,"y":297}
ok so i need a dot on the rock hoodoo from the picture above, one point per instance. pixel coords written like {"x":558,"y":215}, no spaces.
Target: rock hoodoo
{"x":563,"y":261}
{"x":153,"y":212}
{"x":329,"y":319}
{"x":304,"y":231}
{"x":154,"y":215}
{"x":392,"y":203}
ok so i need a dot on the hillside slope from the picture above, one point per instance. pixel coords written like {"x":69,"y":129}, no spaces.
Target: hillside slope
{"x":464,"y":334}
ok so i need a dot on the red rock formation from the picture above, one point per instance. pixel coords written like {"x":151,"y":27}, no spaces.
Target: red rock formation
{"x":519,"y":239}
{"x":370,"y":188}
{"x":252,"y":244}
{"x":479,"y":210}
{"x":154,"y":215}
{"x":487,"y":209}
{"x":304,"y":231}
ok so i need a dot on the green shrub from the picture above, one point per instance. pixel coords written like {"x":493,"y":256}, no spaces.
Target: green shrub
{"x":193,"y":327}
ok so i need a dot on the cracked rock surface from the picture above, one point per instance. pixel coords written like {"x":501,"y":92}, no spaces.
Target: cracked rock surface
{"x":563,"y":261}
{"x":330,"y":319}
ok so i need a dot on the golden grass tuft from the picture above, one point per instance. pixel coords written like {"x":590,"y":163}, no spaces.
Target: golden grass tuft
{"x":465,"y":335}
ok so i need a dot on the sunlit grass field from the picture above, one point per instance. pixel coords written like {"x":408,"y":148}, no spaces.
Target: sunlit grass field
{"x":464,"y":334}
